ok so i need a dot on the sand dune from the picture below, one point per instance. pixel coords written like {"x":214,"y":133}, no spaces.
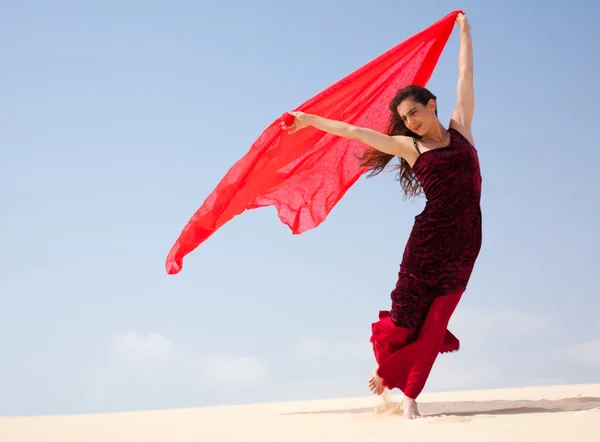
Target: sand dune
{"x":562,"y":413}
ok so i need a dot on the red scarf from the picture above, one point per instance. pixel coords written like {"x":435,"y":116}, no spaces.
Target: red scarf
{"x":305,"y":174}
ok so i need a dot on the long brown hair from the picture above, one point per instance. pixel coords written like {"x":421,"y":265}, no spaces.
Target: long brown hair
{"x":376,"y":161}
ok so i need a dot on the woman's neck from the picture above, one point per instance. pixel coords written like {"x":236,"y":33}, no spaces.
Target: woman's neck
{"x":437,"y":134}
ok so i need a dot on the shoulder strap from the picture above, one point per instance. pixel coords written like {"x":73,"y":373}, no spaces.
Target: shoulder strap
{"x":416,"y":147}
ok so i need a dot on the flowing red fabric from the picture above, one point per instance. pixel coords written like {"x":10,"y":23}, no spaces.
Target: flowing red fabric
{"x":305,"y":174}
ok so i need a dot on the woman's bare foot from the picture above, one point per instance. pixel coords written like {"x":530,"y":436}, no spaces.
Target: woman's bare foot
{"x":376,"y":383}
{"x":409,"y":406}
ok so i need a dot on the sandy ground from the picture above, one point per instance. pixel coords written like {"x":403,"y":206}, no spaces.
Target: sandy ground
{"x":560,"y":413}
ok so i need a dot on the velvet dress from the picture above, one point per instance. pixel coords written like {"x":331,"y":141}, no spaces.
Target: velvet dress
{"x":436,"y":266}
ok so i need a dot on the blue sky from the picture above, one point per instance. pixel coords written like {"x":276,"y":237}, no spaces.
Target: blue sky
{"x":119,"y":118}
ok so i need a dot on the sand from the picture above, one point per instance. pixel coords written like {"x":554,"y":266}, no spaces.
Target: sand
{"x":560,"y":413}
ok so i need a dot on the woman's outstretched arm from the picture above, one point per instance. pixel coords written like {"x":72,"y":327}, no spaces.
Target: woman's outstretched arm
{"x":465,"y":96}
{"x":393,"y":145}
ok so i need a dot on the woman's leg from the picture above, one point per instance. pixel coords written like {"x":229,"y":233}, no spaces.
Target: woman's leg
{"x":409,"y":367}
{"x":399,"y":326}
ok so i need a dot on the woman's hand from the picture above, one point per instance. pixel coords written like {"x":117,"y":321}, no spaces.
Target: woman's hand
{"x":462,"y":22}
{"x":300,"y":121}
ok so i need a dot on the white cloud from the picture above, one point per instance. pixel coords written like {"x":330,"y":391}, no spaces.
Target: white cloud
{"x":453,"y":372}
{"x":321,"y":350}
{"x":222,"y":370}
{"x":150,"y":352}
{"x":147,"y":352}
{"x":507,"y":322}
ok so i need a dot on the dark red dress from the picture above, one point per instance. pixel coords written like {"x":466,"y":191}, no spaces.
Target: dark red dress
{"x":436,"y":267}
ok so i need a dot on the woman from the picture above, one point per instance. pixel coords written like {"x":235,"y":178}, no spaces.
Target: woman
{"x":446,"y":237}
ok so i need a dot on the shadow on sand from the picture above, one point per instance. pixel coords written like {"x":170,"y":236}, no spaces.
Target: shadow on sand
{"x":474,"y":408}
